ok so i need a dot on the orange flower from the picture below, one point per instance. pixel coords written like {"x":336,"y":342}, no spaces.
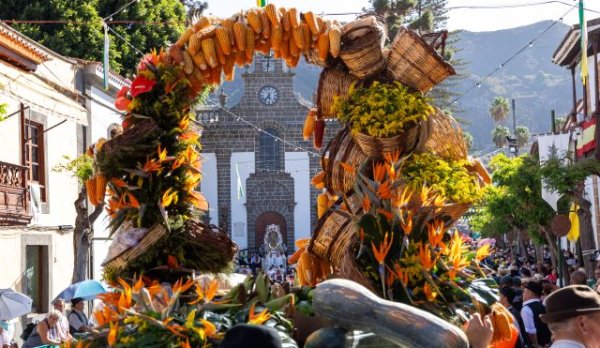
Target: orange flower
{"x":207,"y":292}
{"x":435,"y":232}
{"x":350,"y":169}
{"x":429,"y":293}
{"x":180,"y":287}
{"x":391,"y":276}
{"x":361,"y":235}
{"x":391,"y":157}
{"x":172,"y":262}
{"x":388,"y":215}
{"x":137,"y":287}
{"x":425,"y":257}
{"x":190,"y":137}
{"x":118,"y":182}
{"x":425,"y":192}
{"x":404,"y":199}
{"x":383,"y":191}
{"x":184,"y":123}
{"x":401,"y":274}
{"x":366,"y":203}
{"x":379,"y":170}
{"x":129,"y":199}
{"x":162,"y":155}
{"x":260,"y":318}
{"x":168,"y":197}
{"x":112,"y":334}
{"x":186,"y":343}
{"x":406,"y":223}
{"x":198,"y":200}
{"x":152,"y":166}
{"x":383,"y":249}
{"x":209,"y":328}
{"x":483,"y":252}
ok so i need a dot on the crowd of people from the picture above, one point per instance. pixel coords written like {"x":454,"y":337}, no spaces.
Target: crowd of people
{"x":274,"y":264}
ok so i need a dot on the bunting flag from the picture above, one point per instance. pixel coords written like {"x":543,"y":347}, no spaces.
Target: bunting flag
{"x":584,"y":43}
{"x":261,"y":3}
{"x":106,"y":67}
{"x":240,"y":187}
{"x":574,"y":218}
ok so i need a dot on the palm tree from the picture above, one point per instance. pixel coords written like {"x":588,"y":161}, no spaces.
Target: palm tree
{"x":522,"y":135}
{"x":559,"y":123}
{"x":499,"y":135}
{"x":499,"y":109}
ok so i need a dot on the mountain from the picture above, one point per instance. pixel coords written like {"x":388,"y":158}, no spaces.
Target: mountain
{"x":537,"y":85}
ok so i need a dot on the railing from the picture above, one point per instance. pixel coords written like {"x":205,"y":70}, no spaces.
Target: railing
{"x":14,"y":197}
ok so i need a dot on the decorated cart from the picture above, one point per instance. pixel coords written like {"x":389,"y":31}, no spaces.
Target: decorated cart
{"x":395,"y":179}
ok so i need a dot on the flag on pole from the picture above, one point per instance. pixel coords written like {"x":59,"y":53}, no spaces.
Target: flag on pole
{"x":240,"y":187}
{"x":574,"y":218}
{"x":584,"y":43}
{"x":106,"y":51}
{"x":261,"y":3}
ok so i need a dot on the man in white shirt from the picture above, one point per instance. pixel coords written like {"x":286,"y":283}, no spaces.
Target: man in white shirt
{"x":536,"y":331}
{"x":573,"y":316}
{"x":63,"y":323}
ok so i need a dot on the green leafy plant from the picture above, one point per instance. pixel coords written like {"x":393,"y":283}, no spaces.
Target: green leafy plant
{"x":382,"y":110}
{"x":80,"y":167}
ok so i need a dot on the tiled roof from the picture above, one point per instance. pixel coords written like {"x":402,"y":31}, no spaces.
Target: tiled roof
{"x":18,"y":43}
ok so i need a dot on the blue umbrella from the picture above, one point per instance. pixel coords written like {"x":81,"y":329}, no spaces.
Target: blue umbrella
{"x":87,"y":290}
{"x":13,"y":304}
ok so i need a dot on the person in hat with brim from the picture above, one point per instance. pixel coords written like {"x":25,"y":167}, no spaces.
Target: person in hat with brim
{"x":573,"y":316}
{"x":536,"y":331}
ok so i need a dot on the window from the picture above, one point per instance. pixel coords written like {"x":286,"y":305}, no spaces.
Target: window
{"x":36,"y":276}
{"x":270,"y":151}
{"x":34,"y":155}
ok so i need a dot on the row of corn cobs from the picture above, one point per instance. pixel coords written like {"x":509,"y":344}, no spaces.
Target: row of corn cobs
{"x":213,"y":46}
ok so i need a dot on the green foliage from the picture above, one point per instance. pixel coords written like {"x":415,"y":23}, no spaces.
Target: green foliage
{"x":80,"y":167}
{"x":83,"y":36}
{"x":3,"y":111}
{"x":522,"y":136}
{"x":515,"y":200}
{"x":563,"y":175}
{"x":499,"y":135}
{"x":559,"y":123}
{"x":468,"y":139}
{"x":499,"y":109}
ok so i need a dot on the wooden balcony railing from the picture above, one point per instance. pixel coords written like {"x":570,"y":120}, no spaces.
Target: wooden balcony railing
{"x":14,"y":197}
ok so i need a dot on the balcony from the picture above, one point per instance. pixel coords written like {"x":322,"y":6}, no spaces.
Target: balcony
{"x":14,"y":202}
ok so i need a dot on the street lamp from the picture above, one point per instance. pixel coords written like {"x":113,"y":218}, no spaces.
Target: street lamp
{"x":512,"y":146}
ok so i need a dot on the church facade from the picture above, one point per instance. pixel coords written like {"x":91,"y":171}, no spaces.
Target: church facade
{"x":257,"y":167}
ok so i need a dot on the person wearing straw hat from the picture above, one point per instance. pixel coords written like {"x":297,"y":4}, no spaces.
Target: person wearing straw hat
{"x":573,"y":316}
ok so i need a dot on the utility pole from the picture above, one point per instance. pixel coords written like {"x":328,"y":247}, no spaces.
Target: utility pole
{"x":512,"y":141}
{"x":514,"y":118}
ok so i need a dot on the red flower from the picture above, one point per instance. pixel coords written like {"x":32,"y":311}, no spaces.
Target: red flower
{"x":122,"y":102}
{"x":140,"y":85}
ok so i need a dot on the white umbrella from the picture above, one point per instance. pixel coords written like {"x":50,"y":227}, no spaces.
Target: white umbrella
{"x":13,"y":304}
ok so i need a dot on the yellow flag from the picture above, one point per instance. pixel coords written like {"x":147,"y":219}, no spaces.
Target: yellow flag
{"x":574,"y":218}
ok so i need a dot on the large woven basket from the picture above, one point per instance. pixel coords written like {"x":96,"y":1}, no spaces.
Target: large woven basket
{"x":119,"y":262}
{"x":341,"y":149}
{"x":363,"y":55}
{"x":333,"y":82}
{"x":414,"y":63}
{"x":446,"y":139}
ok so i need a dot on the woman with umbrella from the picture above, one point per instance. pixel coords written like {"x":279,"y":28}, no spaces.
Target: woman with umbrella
{"x":45,"y":332}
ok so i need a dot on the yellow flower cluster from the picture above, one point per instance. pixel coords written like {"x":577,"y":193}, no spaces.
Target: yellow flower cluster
{"x":382,"y":110}
{"x":449,"y":179}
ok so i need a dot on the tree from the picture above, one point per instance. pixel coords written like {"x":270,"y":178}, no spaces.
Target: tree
{"x":499,"y":109}
{"x":194,"y":7}
{"x":499,"y":135}
{"x":559,"y":123}
{"x":522,"y":136}
{"x":81,"y":168}
{"x":83,"y":35}
{"x":397,"y":13}
{"x":468,"y":139}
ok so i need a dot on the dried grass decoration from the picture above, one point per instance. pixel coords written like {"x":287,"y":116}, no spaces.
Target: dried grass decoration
{"x":384,"y":118}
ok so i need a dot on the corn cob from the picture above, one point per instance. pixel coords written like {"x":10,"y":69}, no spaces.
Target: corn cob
{"x":240,"y":58}
{"x":215,"y":75}
{"x":298,"y":38}
{"x":188,"y":63}
{"x":220,"y":54}
{"x":194,"y":45}
{"x":335,"y":42}
{"x":195,"y":84}
{"x":285,"y":21}
{"x":254,"y":22}
{"x":203,"y":22}
{"x":90,"y":186}
{"x":273,"y":15}
{"x":319,"y":133}
{"x":183,"y":39}
{"x":294,"y":49}
{"x":208,"y":48}
{"x":228,"y":25}
{"x":305,"y":36}
{"x":176,"y":54}
{"x":284,"y":50}
{"x":207,"y":32}
{"x":100,"y":188}
{"x":239,"y":29}
{"x":323,"y":46}
{"x":276,"y":54}
{"x":322,"y":204}
{"x":197,"y":74}
{"x":265,"y":25}
{"x":228,"y":67}
{"x":309,"y":124}
{"x":263,"y":47}
{"x":277,"y":38}
{"x":318,"y":181}
{"x":311,"y":20}
{"x":223,"y":40}
{"x":294,"y":17}
{"x":199,"y":61}
{"x":249,"y":48}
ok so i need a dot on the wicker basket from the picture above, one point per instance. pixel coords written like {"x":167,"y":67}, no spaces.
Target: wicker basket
{"x":414,"y":63}
{"x":363,"y":55}
{"x":129,"y":137}
{"x":449,"y":213}
{"x":410,"y":140}
{"x":119,"y":262}
{"x":341,"y":149}
{"x":333,"y":82}
{"x":446,"y":139}
{"x":477,"y":168}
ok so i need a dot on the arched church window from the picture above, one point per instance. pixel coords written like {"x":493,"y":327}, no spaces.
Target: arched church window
{"x":270,"y":150}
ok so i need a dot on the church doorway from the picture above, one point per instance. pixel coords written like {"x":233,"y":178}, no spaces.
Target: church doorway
{"x":271,"y":232}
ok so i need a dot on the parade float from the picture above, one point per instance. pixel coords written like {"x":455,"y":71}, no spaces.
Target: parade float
{"x":395,"y":179}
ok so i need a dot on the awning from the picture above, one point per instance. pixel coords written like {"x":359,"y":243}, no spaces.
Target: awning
{"x":40,"y":96}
